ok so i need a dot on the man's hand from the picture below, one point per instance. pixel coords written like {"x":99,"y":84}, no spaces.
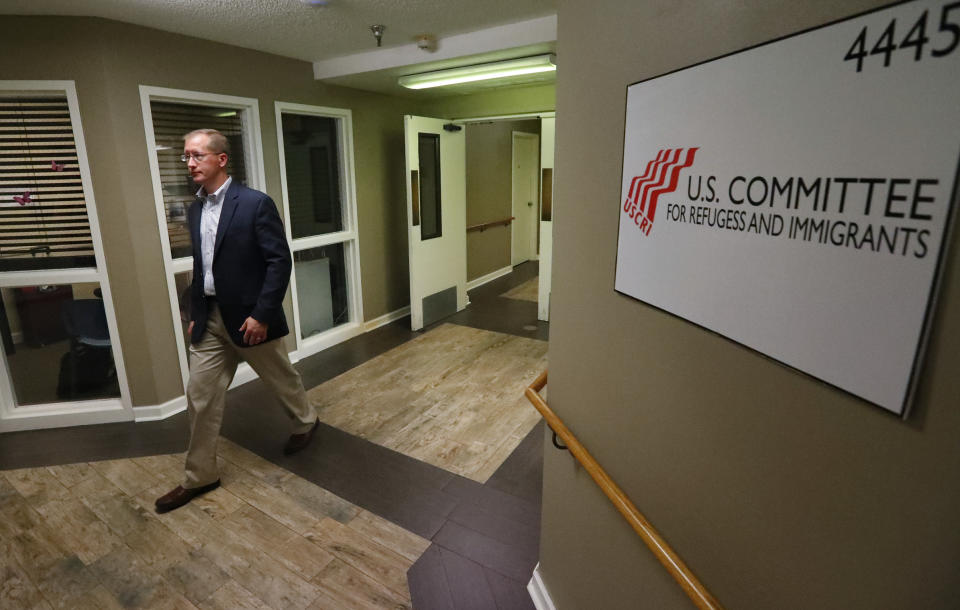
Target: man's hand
{"x":190,"y":329}
{"x":253,"y":331}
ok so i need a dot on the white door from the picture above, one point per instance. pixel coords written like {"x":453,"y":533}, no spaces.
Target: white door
{"x":436,"y":218}
{"x":525,"y":160}
{"x":547,"y":127}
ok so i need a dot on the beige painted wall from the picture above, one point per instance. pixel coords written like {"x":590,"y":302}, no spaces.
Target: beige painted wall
{"x":779,"y":491}
{"x":489,"y":192}
{"x":496,"y":102}
{"x":108,"y":61}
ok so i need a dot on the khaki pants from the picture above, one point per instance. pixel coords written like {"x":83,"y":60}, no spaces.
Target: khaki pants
{"x":213,"y":362}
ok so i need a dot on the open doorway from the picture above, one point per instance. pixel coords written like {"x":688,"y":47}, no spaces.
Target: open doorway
{"x":509,"y":178}
{"x":502,"y":195}
{"x":487,"y":188}
{"x":524,"y":175}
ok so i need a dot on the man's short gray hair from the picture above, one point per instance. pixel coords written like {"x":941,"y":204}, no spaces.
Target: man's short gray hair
{"x":216,"y":142}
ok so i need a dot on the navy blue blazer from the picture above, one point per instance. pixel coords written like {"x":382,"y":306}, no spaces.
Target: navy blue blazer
{"x":251,"y":264}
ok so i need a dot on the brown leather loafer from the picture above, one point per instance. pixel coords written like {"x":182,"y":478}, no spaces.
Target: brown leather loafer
{"x":180,"y":496}
{"x":296,"y":442}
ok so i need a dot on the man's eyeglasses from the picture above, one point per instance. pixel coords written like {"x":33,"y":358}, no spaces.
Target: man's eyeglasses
{"x":198,"y":157}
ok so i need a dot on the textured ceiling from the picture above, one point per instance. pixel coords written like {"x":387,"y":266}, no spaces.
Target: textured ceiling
{"x":289,"y":28}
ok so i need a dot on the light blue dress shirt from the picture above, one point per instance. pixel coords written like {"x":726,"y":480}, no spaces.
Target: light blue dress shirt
{"x":209,"y":221}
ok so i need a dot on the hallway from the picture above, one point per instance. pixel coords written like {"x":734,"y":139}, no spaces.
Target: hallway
{"x":337,"y":526}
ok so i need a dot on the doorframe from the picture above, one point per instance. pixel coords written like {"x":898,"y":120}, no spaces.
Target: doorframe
{"x":516,"y":208}
{"x":72,"y":413}
{"x":551,"y":114}
{"x":547,"y":159}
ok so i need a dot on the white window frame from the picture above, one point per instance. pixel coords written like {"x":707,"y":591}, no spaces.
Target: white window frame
{"x":349,"y":236}
{"x":253,"y":150}
{"x":74,"y":413}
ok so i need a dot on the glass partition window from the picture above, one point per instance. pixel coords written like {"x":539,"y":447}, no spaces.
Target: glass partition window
{"x":168,"y":115}
{"x":57,"y":343}
{"x":311,"y":152}
{"x":320,"y":212}
{"x":171,"y":121}
{"x":322,"y":288}
{"x":430,"y":219}
{"x":60,"y":362}
{"x":43,"y":215}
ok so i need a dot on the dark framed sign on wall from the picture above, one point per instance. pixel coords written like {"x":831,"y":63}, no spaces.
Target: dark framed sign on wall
{"x":796,"y":197}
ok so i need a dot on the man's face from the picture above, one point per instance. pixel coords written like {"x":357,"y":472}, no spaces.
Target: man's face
{"x":209,"y":169}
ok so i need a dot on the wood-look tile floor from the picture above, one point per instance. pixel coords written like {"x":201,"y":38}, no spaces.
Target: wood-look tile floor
{"x":452,"y":397}
{"x":484,"y":538}
{"x":527,"y":291}
{"x":86,"y":536}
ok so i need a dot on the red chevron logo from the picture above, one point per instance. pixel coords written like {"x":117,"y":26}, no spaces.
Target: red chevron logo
{"x":659,"y":177}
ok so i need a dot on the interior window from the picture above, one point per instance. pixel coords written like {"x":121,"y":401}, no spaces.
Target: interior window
{"x":171,"y":121}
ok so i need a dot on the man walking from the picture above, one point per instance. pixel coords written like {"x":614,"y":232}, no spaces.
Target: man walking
{"x":241,"y":268}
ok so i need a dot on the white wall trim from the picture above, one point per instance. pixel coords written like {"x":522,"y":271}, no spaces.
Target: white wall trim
{"x":315,"y":344}
{"x":538,"y":591}
{"x":547,"y":143}
{"x":386,"y":319}
{"x":244,"y":374}
{"x":65,"y":414}
{"x":161,"y":411}
{"x":11,"y":279}
{"x":512,"y":35}
{"x":483,"y":279}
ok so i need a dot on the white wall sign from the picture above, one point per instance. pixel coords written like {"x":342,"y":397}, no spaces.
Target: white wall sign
{"x":795,"y":197}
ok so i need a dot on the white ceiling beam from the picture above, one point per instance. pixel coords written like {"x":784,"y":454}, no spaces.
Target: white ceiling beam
{"x":521,"y":33}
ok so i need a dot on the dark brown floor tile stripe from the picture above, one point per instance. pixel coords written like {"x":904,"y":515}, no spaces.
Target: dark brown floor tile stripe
{"x":429,"y":589}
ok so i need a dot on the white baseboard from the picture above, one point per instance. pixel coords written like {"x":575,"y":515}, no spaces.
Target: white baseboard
{"x":155,"y":412}
{"x":483,"y":279}
{"x":386,"y":319}
{"x":538,"y":591}
{"x":176,"y":405}
{"x":170,"y":408}
{"x":246,"y":374}
{"x":63,"y":415}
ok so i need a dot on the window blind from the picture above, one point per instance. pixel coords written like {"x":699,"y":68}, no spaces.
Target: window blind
{"x":171,"y":121}
{"x":43,"y":215}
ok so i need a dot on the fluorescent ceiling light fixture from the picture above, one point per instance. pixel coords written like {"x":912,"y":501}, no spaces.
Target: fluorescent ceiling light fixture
{"x":469,"y":74}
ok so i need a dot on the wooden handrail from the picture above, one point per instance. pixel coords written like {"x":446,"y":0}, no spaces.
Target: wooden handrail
{"x":492,"y":223}
{"x":661,"y":550}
